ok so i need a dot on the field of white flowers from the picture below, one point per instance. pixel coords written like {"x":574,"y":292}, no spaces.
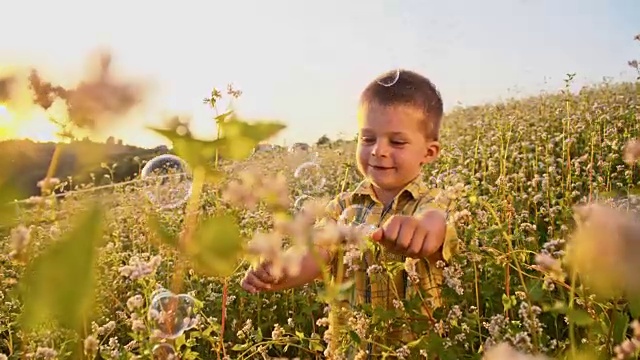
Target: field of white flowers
{"x":520,"y":169}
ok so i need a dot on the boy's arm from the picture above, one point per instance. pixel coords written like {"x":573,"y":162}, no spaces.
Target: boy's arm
{"x":310,"y":267}
{"x":310,"y":270}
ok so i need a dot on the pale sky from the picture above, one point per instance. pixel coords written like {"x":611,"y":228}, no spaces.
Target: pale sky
{"x":305,"y":62}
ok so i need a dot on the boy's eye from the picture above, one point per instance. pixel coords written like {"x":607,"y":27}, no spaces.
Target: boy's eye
{"x":367,"y":139}
{"x":398,"y":142}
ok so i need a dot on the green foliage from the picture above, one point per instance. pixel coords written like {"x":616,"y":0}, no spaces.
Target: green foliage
{"x":78,"y":161}
{"x":524,"y":164}
{"x":216,"y":246}
{"x":58,"y":285}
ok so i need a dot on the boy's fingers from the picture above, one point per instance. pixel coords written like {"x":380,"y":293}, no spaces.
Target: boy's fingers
{"x":263,"y":275}
{"x":377,"y":235}
{"x":254,"y":282}
{"x":246,"y":284}
{"x":418,"y":241}
{"x":249,"y":288}
{"x":403,"y":240}
{"x":390,"y":230}
{"x":431,"y":243}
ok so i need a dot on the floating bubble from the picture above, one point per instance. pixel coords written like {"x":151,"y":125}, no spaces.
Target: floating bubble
{"x":300,"y":201}
{"x":171,"y":314}
{"x":628,"y":203}
{"x":356,"y":216}
{"x":309,"y":177}
{"x":167,"y":181}
{"x":299,"y":147}
{"x":164,"y":351}
{"x":390,"y":78}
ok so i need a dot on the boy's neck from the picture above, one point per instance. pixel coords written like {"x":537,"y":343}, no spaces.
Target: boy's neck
{"x":385,"y":196}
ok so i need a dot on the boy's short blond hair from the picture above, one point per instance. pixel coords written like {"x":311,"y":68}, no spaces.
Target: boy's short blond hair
{"x":408,"y":89}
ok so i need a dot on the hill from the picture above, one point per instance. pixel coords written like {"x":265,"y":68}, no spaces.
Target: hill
{"x":26,"y":162}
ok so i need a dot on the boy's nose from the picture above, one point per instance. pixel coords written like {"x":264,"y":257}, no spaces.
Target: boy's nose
{"x":380,"y":150}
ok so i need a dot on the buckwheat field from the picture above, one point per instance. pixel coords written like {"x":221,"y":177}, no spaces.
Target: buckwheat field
{"x":546,"y":210}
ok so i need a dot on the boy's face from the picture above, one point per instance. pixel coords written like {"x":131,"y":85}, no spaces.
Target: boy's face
{"x":391,"y":146}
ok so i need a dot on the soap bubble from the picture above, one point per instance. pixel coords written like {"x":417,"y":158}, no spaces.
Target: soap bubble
{"x":309,"y":177}
{"x":171,"y":314}
{"x":389,"y":78}
{"x":628,"y":203}
{"x":167,"y":181}
{"x":356,"y":217}
{"x":300,"y":201}
{"x":299,"y":148}
{"x":164,"y":351}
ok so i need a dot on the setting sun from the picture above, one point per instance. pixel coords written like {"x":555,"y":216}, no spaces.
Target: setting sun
{"x":34,"y":125}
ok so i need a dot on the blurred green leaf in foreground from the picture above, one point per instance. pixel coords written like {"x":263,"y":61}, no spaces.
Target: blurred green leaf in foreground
{"x":59,"y":283}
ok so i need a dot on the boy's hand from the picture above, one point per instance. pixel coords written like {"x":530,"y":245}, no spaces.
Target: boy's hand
{"x":259,"y":279}
{"x":416,"y":237}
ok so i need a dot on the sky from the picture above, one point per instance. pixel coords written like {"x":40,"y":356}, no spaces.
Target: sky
{"x":305,"y":62}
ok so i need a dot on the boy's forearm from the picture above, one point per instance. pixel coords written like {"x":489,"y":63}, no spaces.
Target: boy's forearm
{"x":310,"y":270}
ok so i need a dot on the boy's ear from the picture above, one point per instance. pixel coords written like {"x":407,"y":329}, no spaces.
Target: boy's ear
{"x":432,"y":151}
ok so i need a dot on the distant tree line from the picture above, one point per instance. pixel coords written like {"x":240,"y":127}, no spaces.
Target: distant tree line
{"x":81,"y":162}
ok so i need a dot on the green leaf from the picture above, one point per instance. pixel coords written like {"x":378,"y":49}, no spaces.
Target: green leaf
{"x":337,"y":292}
{"x":237,"y":148}
{"x":224,"y":116}
{"x":558,"y":307}
{"x":579,"y":317}
{"x":215,"y":246}
{"x":259,"y":336}
{"x":194,"y":151}
{"x":508,"y":301}
{"x":355,"y":337}
{"x":619,"y":324}
{"x":179,"y":341}
{"x":59,"y":284}
{"x":164,"y":232}
{"x":634,"y":306}
{"x":315,"y":345}
{"x":415,"y":343}
{"x":8,"y":193}
{"x":191,"y":355}
{"x":536,"y":292}
{"x":240,"y":138}
{"x":240,"y":347}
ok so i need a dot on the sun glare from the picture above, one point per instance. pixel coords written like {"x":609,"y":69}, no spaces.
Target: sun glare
{"x":34,"y":125}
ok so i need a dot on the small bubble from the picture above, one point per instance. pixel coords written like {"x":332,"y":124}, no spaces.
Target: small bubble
{"x":164,"y":351}
{"x":299,"y":148}
{"x":167,"y":181}
{"x":390,"y":78}
{"x":357,"y":217}
{"x":300,"y":201}
{"x":309,"y":177}
{"x":171,"y":314}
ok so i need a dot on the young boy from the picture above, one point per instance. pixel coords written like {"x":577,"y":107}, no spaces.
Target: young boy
{"x":398,"y":123}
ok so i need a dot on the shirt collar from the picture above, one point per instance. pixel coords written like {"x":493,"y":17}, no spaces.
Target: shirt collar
{"x":415,"y":188}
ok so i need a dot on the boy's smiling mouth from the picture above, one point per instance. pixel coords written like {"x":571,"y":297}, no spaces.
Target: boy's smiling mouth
{"x":380,"y":168}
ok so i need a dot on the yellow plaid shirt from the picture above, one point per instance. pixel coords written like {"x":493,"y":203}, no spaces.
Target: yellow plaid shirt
{"x":380,"y":289}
